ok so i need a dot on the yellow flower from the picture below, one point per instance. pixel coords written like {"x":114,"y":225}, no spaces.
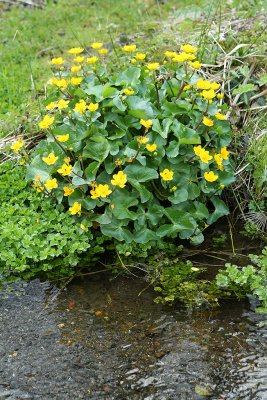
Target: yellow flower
{"x":207,"y":121}
{"x":219,"y":159}
{"x":76,"y":80}
{"x":197,"y":150}
{"x":133,"y":61}
{"x":220,"y":96}
{"x":76,"y":208}
{"x":119,"y":179}
{"x":38,"y":186}
{"x":92,"y":60}
{"x":205,"y":156}
{"x":147,"y":123}
{"x":151,"y":147}
{"x":50,"y":159}
{"x":220,"y":116}
{"x":93,"y":107}
{"x":195,"y":64}
{"x":215,"y":85}
{"x":170,"y":54}
{"x":80,"y":107}
{"x":67,"y":160}
{"x":167,"y":175}
{"x":67,"y":191}
{"x":208,"y":94}
{"x":65,"y":170}
{"x":63,"y":138}
{"x":128,"y":92}
{"x":202,"y":84}
{"x":142,"y":140}
{"x":79,"y":59}
{"x":140,"y":56}
{"x":186,"y":87}
{"x":100,"y":191}
{"x":152,"y":66}
{"x":102,"y":51}
{"x":210,"y":176}
{"x":188,"y":48}
{"x":190,"y":57}
{"x":96,"y":45}
{"x":225,"y":153}
{"x":76,"y":50}
{"x":46,"y":122}
{"x":51,"y":106}
{"x":17,"y":145}
{"x":62,"y":104}
{"x":61,"y":83}
{"x":76,"y":68}
{"x":51,"y":184}
{"x":118,"y":161}
{"x":129,"y":48}
{"x":180,"y":57}
{"x":57,"y":61}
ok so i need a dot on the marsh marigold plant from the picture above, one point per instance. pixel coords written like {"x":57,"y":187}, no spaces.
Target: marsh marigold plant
{"x":138,"y":150}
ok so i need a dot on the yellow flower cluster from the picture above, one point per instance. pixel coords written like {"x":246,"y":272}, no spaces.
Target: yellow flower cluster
{"x":61,"y":104}
{"x":100,"y":191}
{"x":50,"y":159}
{"x":76,"y":208}
{"x":57,"y":61}
{"x":68,"y":190}
{"x":119,"y":179}
{"x":151,"y":147}
{"x":128,"y":92}
{"x":63,"y":138}
{"x":203,"y":154}
{"x":210,"y":176}
{"x":51,"y":184}
{"x":167,"y":175}
{"x":65,"y":170}
{"x":46,"y":122}
{"x":81,"y":107}
{"x":129,"y":48}
{"x":147,"y":123}
{"x":142,"y":140}
{"x":17,"y":146}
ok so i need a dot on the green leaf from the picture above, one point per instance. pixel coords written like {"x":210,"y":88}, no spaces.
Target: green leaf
{"x":172,"y":150}
{"x":129,"y":77}
{"x":91,"y":170}
{"x":201,"y":211}
{"x":116,"y":230}
{"x":184,"y":134}
{"x":241,"y":89}
{"x":144,"y":235}
{"x":221,"y":209}
{"x":119,"y":104}
{"x":164,"y":130}
{"x":122,"y":201}
{"x":181,"y":222}
{"x":140,"y":173}
{"x":263,"y":80}
{"x":97,"y":150}
{"x":179,"y":196}
{"x":139,"y":107}
{"x":145,"y":195}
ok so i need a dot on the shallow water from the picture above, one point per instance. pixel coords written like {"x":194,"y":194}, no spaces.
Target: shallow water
{"x":107,"y":339}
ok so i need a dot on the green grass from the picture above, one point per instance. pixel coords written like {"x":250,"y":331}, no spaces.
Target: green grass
{"x":30,"y":37}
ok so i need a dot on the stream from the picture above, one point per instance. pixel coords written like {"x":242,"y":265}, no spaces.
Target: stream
{"x":105,"y":338}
